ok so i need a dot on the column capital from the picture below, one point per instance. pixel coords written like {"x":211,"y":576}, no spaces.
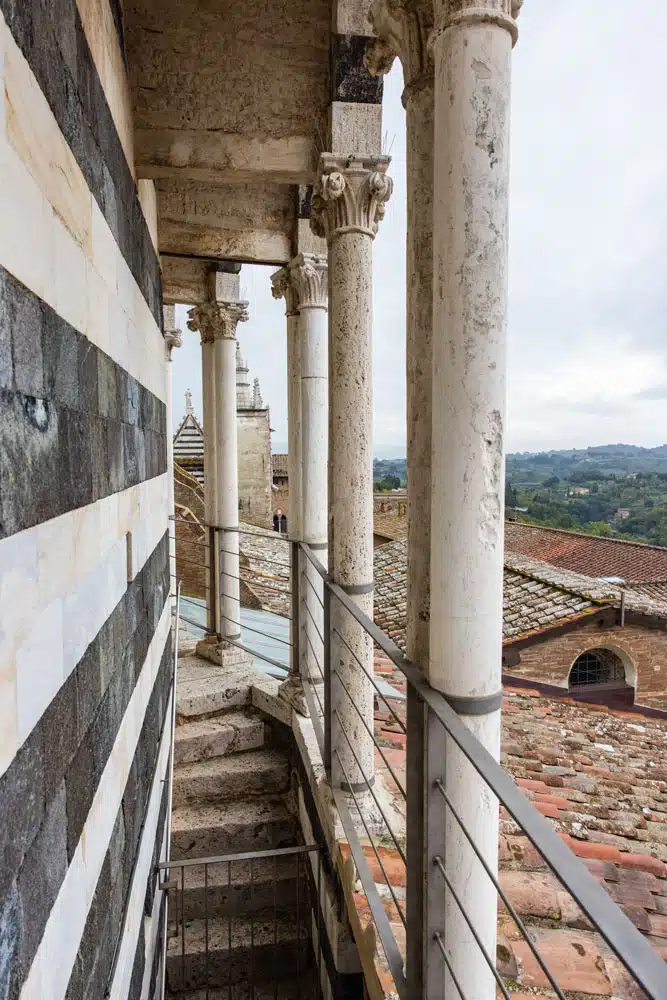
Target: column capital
{"x":217,"y":320}
{"x":282,"y":287}
{"x":309,"y":275}
{"x":402,"y":30}
{"x":449,"y":13}
{"x":350,"y":194}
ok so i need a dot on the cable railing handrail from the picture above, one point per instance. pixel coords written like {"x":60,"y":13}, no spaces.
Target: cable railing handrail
{"x":633,"y":950}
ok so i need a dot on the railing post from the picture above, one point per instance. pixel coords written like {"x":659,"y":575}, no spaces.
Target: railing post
{"x":425,"y":833}
{"x":211,"y":581}
{"x":295,"y":611}
{"x":326,"y":668}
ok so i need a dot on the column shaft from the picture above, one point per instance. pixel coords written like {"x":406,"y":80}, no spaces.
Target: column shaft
{"x":351,"y":501}
{"x":172,"y":338}
{"x":313,"y":337}
{"x":348,"y":205}
{"x":210,"y":483}
{"x":294,"y":429}
{"x":227,"y":485}
{"x":419,"y":337}
{"x":471,"y":50}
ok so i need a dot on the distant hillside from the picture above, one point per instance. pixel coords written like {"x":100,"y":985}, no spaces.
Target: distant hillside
{"x":602,"y":461}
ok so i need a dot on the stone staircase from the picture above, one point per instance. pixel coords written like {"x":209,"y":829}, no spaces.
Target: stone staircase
{"x":237,"y":923}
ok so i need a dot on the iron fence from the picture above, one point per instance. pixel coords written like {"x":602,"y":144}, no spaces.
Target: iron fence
{"x":245,"y":925}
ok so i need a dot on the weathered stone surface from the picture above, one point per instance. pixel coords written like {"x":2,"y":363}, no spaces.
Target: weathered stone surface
{"x":255,"y":825}
{"x":234,"y":732}
{"x":231,"y":778}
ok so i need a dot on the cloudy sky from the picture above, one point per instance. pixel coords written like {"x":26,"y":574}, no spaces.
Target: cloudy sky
{"x":588,"y":243}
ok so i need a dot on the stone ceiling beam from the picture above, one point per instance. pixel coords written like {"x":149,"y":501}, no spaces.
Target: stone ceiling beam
{"x":219,"y":158}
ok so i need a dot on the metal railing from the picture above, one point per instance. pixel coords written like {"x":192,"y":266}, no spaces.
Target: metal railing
{"x":264,"y":579}
{"x":418,"y":823}
{"x":407,"y":830}
{"x":247,"y":924}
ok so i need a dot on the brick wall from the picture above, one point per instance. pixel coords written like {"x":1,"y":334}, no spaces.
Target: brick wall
{"x":643,"y":647}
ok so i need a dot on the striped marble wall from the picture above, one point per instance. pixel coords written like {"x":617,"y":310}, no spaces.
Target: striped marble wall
{"x":85,"y":649}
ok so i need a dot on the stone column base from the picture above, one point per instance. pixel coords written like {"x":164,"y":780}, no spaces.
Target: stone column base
{"x":222,"y":653}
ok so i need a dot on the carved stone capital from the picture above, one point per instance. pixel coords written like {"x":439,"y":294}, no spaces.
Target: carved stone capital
{"x":461,"y":12}
{"x":282,"y":288}
{"x":350,"y":195}
{"x":217,"y":320}
{"x":402,"y":30}
{"x":309,"y":274}
{"x":172,"y":338}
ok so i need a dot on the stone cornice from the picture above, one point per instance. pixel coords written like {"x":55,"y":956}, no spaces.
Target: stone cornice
{"x":309,"y":275}
{"x":172,"y":338}
{"x":350,"y":195}
{"x":283,"y":288}
{"x":461,"y":12}
{"x":217,"y":320}
{"x":401,"y":30}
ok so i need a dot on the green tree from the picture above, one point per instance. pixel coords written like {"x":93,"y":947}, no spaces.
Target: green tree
{"x":511,"y":499}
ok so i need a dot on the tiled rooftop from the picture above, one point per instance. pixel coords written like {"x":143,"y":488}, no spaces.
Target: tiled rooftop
{"x":279,"y":464}
{"x":536,"y":596}
{"x":589,"y":554}
{"x":600,"y":777}
{"x":390,"y":526}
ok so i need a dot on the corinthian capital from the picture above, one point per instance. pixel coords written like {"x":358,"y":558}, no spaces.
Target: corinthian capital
{"x":500,"y":12}
{"x":402,"y":30}
{"x":308,"y":272}
{"x":350,"y":195}
{"x":282,"y":288}
{"x":217,"y":320}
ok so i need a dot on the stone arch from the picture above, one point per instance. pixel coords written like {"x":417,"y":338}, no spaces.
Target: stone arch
{"x":602,"y":666}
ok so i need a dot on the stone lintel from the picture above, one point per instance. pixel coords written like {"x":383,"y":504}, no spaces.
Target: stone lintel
{"x":350,"y":194}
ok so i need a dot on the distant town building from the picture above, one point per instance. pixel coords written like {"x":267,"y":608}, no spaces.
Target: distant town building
{"x":622,"y":513}
{"x":254,"y":447}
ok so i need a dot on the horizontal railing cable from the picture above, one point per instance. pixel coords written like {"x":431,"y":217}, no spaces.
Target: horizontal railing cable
{"x":438,"y":862}
{"x":312,"y":587}
{"x":315,"y":626}
{"x":370,"y":733}
{"x":370,"y":678}
{"x":317,"y":662}
{"x":499,"y":889}
{"x":257,"y":631}
{"x":437,"y":937}
{"x":377,"y":854}
{"x":370,"y":788}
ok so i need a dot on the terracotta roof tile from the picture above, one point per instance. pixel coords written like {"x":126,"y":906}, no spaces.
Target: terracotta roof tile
{"x":611,"y":811}
{"x":589,"y":554}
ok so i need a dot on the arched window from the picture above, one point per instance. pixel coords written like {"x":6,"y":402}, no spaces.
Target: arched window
{"x":276,"y":523}
{"x":283,"y":525}
{"x":597,"y":667}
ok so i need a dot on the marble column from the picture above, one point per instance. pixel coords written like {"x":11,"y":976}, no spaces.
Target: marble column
{"x":217,"y":322}
{"x":348,"y":204}
{"x":471,"y":45}
{"x":281,"y":287}
{"x":402,"y":30}
{"x":172,"y":338}
{"x":210,"y":475}
{"x":308,"y":274}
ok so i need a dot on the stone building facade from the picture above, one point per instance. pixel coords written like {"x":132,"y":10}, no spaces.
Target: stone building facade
{"x":254,"y":449}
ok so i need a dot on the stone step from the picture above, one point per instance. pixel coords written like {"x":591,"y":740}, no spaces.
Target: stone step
{"x":222,"y":779}
{"x":204,"y":689}
{"x":240,"y":887}
{"x":239,"y":951}
{"x":303,"y":988}
{"x":232,"y":732}
{"x":200,"y":831}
